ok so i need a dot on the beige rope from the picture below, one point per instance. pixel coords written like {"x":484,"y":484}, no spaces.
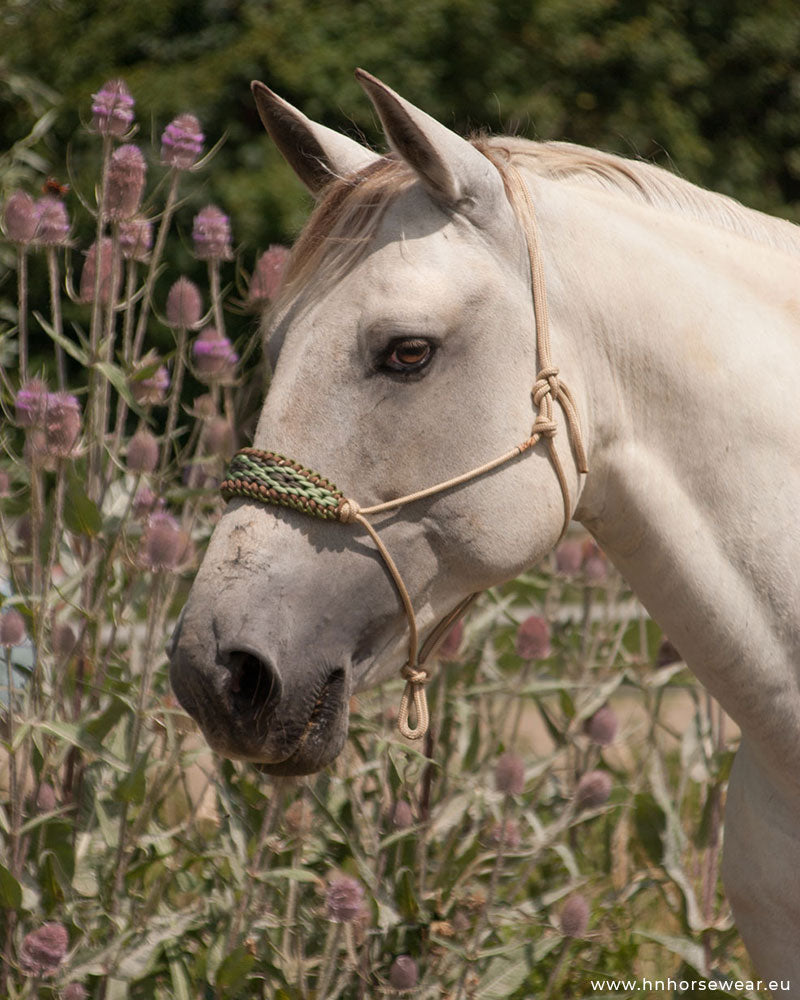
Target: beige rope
{"x":546,"y":389}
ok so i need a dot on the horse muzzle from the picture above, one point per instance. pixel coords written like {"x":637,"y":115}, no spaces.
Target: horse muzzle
{"x":288,"y":721}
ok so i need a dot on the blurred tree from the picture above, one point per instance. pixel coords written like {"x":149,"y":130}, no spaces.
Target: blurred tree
{"x":711,"y":87}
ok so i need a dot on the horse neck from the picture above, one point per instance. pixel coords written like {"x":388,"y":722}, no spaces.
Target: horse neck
{"x":688,"y":340}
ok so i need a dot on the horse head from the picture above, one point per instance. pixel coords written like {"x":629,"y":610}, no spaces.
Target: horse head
{"x":404,"y":354}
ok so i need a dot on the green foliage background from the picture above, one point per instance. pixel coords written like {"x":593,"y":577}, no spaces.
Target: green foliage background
{"x":709,"y":87}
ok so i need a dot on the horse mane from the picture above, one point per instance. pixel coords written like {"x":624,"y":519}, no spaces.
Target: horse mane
{"x":350,"y":208}
{"x":643,"y":182}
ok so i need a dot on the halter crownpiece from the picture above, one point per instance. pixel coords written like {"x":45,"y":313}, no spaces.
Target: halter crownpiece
{"x":271,"y":478}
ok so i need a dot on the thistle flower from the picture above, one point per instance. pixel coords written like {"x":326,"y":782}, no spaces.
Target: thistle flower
{"x":62,"y":424}
{"x":46,"y":798}
{"x":595,"y":567}
{"x":344,"y":900}
{"x":402,"y":816}
{"x":181,"y":142}
{"x":151,"y":390}
{"x":142,"y":452}
{"x":86,"y":293}
{"x":507,"y":832}
{"x":124,"y":182}
{"x":509,"y":773}
{"x":404,"y":973}
{"x":452,"y":642}
{"x":63,"y":639}
{"x":136,"y":238}
{"x":220,"y":437}
{"x":30,"y":403}
{"x":112,"y":109}
{"x":268,"y":275}
{"x":184,"y":305}
{"x":163,"y":542}
{"x":594,"y":788}
{"x":574,"y":917}
{"x":533,"y":638}
{"x":74,"y":991}
{"x":19,"y":217}
{"x":569,"y":557}
{"x":146,"y":502}
{"x":43,"y":950}
{"x":211,"y":233}
{"x":12,"y":628}
{"x":602,"y":726}
{"x":52,"y":222}
{"x":298,"y":817}
{"x":204,"y":408}
{"x":214,"y":358}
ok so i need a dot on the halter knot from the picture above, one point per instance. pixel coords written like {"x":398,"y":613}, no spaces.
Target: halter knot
{"x":546,"y":384}
{"x":347,"y":511}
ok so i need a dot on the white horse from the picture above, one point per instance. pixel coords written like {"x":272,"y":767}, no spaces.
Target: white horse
{"x":405,"y":350}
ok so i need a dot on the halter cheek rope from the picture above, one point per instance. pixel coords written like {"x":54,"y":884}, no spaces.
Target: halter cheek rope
{"x":273,"y":479}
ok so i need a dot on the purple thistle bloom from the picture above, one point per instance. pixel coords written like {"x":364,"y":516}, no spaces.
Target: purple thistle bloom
{"x":211,"y":233}
{"x":214,"y":356}
{"x":112,"y":109}
{"x":12,"y":628}
{"x":30,"y":404}
{"x":20,"y":218}
{"x":509,"y":773}
{"x":184,"y":305}
{"x":182,"y":142}
{"x":90,"y":270}
{"x":164,"y":545}
{"x":153,"y":389}
{"x":593,"y":789}
{"x":345,"y":899}
{"x":268,"y":275}
{"x":52,"y":221}
{"x":142,"y":452}
{"x":575,"y":916}
{"x":43,"y":950}
{"x":136,"y":238}
{"x":404,"y":973}
{"x":62,"y":424}
{"x":125,"y":182}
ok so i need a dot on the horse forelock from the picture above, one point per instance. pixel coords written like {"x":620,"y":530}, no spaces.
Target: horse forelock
{"x":345,"y":217}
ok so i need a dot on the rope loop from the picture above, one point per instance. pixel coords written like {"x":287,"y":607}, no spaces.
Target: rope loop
{"x":414,"y":693}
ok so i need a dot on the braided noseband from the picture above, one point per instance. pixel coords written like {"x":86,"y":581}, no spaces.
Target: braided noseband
{"x":273,"y":479}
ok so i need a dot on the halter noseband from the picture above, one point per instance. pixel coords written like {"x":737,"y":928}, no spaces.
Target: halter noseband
{"x":273,"y":479}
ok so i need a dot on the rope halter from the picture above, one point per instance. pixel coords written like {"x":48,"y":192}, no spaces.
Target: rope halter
{"x":270,"y":478}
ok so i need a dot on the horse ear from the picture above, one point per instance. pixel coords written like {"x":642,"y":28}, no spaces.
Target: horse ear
{"x":316,"y":154}
{"x":453,"y":171}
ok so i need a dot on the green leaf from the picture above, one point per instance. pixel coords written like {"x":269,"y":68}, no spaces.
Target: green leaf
{"x":502,"y":979}
{"x":650,"y":822}
{"x":234,"y":969}
{"x":180,"y":981}
{"x":405,"y":895}
{"x":117,"y":378}
{"x":68,"y":345}
{"x":10,"y":890}
{"x":132,"y":787}
{"x":81,"y":514}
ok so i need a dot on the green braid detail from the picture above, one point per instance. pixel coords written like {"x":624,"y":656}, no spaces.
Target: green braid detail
{"x":274,"y":479}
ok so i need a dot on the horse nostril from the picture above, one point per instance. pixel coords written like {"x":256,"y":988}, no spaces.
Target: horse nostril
{"x":254,"y":683}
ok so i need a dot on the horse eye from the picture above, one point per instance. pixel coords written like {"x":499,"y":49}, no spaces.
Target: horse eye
{"x":408,"y":356}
